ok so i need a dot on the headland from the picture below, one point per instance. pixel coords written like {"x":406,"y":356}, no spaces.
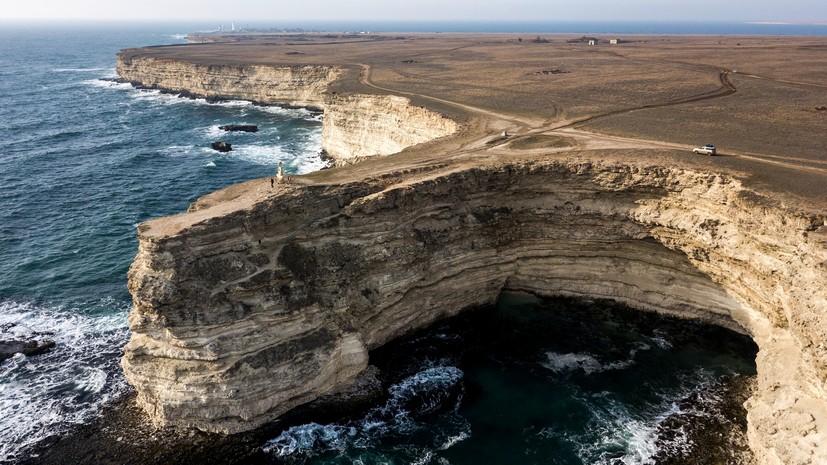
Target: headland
{"x":474,"y":164}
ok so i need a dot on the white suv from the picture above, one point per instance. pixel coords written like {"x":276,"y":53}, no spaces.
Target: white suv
{"x":707,"y":149}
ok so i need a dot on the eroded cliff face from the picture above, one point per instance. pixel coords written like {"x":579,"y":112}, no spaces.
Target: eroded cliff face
{"x":354,"y":126}
{"x":245,"y":309}
{"x":284,"y":85}
{"x":358,"y":126}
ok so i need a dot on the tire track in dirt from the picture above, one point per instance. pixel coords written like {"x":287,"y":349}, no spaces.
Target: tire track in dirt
{"x":531,"y":127}
{"x":727,"y":88}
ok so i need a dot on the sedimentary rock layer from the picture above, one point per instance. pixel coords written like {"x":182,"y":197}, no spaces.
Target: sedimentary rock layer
{"x":357,"y":126}
{"x":284,"y":85}
{"x":354,"y":126}
{"x":249,"y":307}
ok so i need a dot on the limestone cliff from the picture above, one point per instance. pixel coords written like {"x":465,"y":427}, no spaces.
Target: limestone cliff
{"x":285,"y":85}
{"x":245,"y":308}
{"x":357,"y":126}
{"x":354,"y":126}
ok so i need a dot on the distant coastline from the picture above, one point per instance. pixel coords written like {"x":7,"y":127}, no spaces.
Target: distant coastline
{"x":768,"y":28}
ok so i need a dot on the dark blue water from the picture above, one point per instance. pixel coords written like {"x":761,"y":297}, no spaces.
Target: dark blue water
{"x":534,"y":382}
{"x":84,"y":160}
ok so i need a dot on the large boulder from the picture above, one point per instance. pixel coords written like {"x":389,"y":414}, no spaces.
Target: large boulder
{"x":27,"y":348}
{"x":222,"y":146}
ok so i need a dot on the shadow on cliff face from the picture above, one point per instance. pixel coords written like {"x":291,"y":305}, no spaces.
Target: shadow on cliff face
{"x":558,"y":380}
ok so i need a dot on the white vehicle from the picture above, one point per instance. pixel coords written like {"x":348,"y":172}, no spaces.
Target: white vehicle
{"x":707,"y":149}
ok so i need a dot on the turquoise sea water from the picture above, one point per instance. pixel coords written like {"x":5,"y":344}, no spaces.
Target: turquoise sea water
{"x":86,"y":159}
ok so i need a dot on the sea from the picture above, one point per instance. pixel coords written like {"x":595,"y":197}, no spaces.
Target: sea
{"x":85,"y":159}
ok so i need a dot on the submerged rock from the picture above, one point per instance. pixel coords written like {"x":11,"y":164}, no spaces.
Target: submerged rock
{"x":222,"y":146}
{"x":239,"y":127}
{"x":27,"y":348}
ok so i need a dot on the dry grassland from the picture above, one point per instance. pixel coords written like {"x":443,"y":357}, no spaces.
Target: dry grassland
{"x":762,"y":100}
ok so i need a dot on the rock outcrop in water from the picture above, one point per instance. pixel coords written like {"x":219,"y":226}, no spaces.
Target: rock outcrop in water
{"x":354,"y":126}
{"x":239,"y":127}
{"x":260,"y":300}
{"x":27,"y":348}
{"x":222,"y":146}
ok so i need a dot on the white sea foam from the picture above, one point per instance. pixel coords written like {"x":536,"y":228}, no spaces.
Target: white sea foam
{"x":291,"y":112}
{"x":262,"y":154}
{"x":179,"y":36}
{"x":176,"y":150}
{"x":620,"y":434}
{"x":452,"y":440}
{"x":108,"y":84}
{"x":45,"y":394}
{"x":660,"y":340}
{"x":423,"y":393}
{"x":560,"y":363}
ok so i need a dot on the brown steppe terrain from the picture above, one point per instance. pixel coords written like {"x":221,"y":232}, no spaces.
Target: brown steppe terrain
{"x":761,"y":100}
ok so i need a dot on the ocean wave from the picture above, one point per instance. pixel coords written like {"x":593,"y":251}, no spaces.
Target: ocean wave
{"x":45,"y":394}
{"x":433,"y":390}
{"x":588,"y":363}
{"x":302,"y":162}
{"x":621,"y":434}
{"x":79,"y":70}
{"x":168,"y":98}
{"x":108,"y":84}
{"x":303,"y":113}
{"x":659,"y":338}
{"x":176,"y":150}
{"x":178,"y":36}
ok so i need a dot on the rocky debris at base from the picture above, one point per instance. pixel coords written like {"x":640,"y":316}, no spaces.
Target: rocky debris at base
{"x":710,"y":428}
{"x":222,"y":146}
{"x":27,"y":348}
{"x":124,"y":434}
{"x":239,"y":127}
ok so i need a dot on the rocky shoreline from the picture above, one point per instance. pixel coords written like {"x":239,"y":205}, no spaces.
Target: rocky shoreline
{"x":707,"y":431}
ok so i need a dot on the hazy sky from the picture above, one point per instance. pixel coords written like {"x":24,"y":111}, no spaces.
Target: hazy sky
{"x":276,"y":11}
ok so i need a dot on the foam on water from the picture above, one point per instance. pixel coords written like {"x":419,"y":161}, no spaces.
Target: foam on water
{"x":108,"y":84}
{"x":425,"y":393}
{"x":177,"y":150}
{"x":618,"y":433}
{"x":586,"y":362}
{"x":45,"y":394}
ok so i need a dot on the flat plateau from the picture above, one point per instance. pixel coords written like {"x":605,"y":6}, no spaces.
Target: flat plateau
{"x":762,"y":100}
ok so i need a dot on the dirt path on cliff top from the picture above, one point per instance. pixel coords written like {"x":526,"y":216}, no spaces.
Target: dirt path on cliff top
{"x":521,"y":126}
